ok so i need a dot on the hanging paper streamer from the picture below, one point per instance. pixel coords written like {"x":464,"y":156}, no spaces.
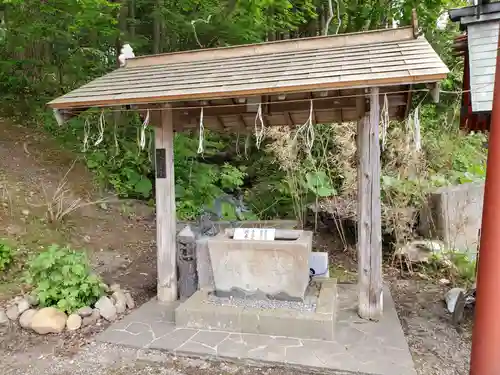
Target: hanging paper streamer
{"x":409,"y":130}
{"x":238,"y":144}
{"x":259,"y":132}
{"x":142,"y":139}
{"x":416,"y":134}
{"x":247,"y":145}
{"x":102,"y":123}
{"x":150,"y":148}
{"x":202,"y":135}
{"x":385,"y":121}
{"x":86,"y":134}
{"x":115,"y":137}
{"x":308,"y":129}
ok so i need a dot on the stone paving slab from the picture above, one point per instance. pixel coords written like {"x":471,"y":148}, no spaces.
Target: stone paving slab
{"x":360,"y":347}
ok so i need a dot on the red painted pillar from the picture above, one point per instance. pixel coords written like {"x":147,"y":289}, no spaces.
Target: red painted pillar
{"x":485,"y":357}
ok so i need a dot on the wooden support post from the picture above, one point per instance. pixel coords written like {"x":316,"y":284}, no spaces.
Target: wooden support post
{"x":165,"y":208}
{"x":369,"y":213}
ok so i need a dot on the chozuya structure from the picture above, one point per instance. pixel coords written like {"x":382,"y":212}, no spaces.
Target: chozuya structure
{"x":327,"y":79}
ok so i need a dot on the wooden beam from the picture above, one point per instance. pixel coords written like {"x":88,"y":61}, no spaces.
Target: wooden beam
{"x":369,"y":244}
{"x":275,"y":107}
{"x":165,"y":208}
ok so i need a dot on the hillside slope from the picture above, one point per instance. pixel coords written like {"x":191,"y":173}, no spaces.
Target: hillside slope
{"x":116,"y":235}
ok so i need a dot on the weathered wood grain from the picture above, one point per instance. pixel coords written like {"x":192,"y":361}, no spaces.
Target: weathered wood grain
{"x":165,"y":210}
{"x":369,"y":213}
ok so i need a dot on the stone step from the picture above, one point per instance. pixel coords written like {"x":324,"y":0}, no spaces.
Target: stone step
{"x":205,"y":311}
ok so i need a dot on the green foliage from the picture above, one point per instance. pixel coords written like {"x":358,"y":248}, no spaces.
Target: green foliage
{"x":319,"y":184}
{"x":62,"y":277}
{"x":50,"y":47}
{"x":458,"y":267}
{"x":6,"y":255}
{"x":199,"y":184}
{"x":453,"y":157}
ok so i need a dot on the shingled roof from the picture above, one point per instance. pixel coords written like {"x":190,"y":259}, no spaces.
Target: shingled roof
{"x":387,"y":57}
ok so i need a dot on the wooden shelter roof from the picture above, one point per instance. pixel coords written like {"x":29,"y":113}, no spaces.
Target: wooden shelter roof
{"x":389,"y":57}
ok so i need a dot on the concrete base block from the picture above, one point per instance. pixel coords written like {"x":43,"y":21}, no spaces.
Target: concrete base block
{"x":198,"y":313}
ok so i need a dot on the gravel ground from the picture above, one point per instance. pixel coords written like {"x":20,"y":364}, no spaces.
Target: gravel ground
{"x":105,"y":359}
{"x":261,"y":304}
{"x":308,"y":305}
{"x":437,"y":347}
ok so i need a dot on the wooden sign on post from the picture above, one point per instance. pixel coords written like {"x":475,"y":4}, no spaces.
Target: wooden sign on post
{"x":257,"y":234}
{"x":161,"y":171}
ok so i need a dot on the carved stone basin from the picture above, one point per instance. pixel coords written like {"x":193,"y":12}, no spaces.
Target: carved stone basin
{"x":259,"y":269}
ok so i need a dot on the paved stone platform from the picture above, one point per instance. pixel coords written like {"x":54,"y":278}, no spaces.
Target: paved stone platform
{"x":360,"y":347}
{"x":198,"y":313}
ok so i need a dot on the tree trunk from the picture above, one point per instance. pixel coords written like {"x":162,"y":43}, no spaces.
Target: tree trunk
{"x":131,"y":14}
{"x":157,"y":27}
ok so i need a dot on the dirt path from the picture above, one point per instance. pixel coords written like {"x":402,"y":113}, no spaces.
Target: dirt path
{"x":120,"y":241}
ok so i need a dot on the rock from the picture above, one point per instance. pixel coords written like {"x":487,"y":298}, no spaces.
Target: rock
{"x":423,"y":276}
{"x":92,"y":319}
{"x":27,"y":318}
{"x":130,"y":301}
{"x":48,"y":320}
{"x":106,"y":308}
{"x":451,"y":298}
{"x":25,"y":212}
{"x":420,"y":251}
{"x":17,"y":299}
{"x":74,"y":322}
{"x":84,"y":311}
{"x":120,"y":301}
{"x":13,"y":312}
{"x":444,"y":282}
{"x":120,"y":307}
{"x":114,"y":287}
{"x":32,"y":300}
{"x":23,"y":305}
{"x":4,"y":319}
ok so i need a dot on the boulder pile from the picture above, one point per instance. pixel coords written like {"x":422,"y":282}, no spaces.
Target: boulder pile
{"x":26,"y":311}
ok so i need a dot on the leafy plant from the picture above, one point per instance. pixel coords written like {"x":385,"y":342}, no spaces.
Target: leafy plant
{"x":63,"y":277}
{"x":457,"y":266}
{"x":6,"y":255}
{"x":319,"y":184}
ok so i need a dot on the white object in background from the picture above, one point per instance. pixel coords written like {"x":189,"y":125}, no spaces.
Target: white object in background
{"x":319,"y":263}
{"x":442,"y":21}
{"x":258,"y":234}
{"x":451,"y":298}
{"x":125,"y":53}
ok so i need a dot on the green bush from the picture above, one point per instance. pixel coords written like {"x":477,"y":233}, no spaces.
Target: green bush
{"x":63,"y":277}
{"x":6,"y":255}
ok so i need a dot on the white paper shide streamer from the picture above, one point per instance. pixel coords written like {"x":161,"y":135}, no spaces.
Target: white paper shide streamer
{"x":86,"y":135}
{"x":101,"y":125}
{"x":416,"y":132}
{"x":308,"y":129}
{"x":385,"y":121}
{"x":259,"y":130}
{"x":144,"y":126}
{"x":201,"y":139}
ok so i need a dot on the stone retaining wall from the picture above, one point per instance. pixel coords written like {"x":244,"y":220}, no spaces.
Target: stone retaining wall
{"x":453,"y":215}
